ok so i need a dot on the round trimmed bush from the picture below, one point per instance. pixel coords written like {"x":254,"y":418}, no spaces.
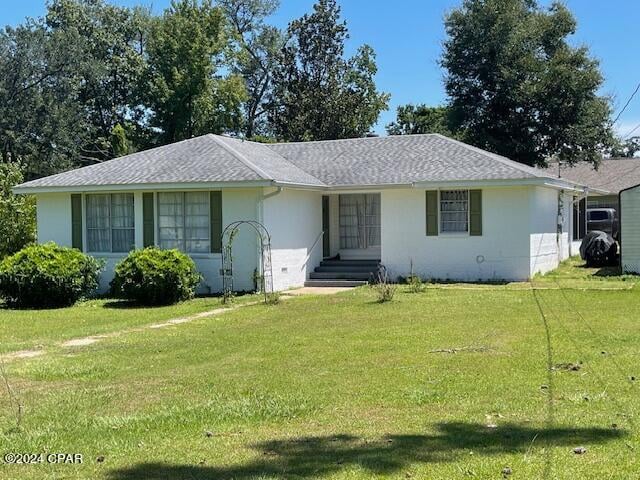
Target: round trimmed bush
{"x":155,"y":277}
{"x":48,"y":276}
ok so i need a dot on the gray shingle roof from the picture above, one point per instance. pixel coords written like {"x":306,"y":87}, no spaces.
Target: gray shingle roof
{"x":613,"y":174}
{"x":353,"y":162}
{"x":200,"y":159}
{"x":400,"y":160}
{"x":264,"y":159}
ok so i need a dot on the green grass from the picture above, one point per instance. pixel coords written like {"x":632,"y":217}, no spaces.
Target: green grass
{"x":342,"y":387}
{"x":35,"y":329}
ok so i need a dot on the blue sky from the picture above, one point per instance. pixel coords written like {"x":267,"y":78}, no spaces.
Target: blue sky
{"x":407,"y":36}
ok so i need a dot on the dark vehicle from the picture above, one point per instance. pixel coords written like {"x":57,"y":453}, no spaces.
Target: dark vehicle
{"x":603,"y":220}
{"x":599,"y":249}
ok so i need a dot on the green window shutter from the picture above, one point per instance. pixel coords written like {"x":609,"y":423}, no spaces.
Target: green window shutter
{"x":475,"y":213}
{"x":216,"y":221}
{"x":76,"y":221}
{"x":432,"y":212}
{"x":148,"y":227}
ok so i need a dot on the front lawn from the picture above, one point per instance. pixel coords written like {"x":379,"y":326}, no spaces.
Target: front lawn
{"x":448,"y":383}
{"x":35,"y":329}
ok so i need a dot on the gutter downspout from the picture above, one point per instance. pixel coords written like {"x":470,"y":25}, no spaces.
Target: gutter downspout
{"x":260,"y":215}
{"x":272,"y":194}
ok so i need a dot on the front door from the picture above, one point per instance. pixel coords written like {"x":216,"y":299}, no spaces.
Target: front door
{"x":360,"y":232}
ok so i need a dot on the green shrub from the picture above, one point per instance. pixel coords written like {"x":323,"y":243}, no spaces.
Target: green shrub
{"x":48,"y":276}
{"x":415,"y":284}
{"x":155,"y":277}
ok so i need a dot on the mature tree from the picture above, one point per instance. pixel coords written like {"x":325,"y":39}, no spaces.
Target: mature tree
{"x":17,"y":212}
{"x":257,"y":48}
{"x":41,"y":124}
{"x":518,"y":88}
{"x":187,"y":94}
{"x":318,"y":94}
{"x":412,"y":119}
{"x":628,"y":148}
{"x":108,"y":64}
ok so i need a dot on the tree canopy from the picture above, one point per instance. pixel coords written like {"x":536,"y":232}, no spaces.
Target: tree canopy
{"x":90,"y":81}
{"x":412,"y":119}
{"x":318,"y":94}
{"x":518,"y":88}
{"x":186,"y":93}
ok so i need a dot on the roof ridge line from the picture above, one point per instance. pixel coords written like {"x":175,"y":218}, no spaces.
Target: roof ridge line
{"x":267,"y":146}
{"x":379,"y":137}
{"x":239,"y":156}
{"x":504,"y":160}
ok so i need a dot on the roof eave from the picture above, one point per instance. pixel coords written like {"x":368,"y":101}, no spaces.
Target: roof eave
{"x":25,"y":189}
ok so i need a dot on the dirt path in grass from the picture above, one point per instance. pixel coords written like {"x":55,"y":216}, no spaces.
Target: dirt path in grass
{"x":91,"y":339}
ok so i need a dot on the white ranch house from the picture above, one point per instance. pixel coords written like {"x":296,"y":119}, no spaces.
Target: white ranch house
{"x":425,"y":203}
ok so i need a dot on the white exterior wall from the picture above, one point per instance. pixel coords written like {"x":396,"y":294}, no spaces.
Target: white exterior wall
{"x":630,"y":230}
{"x":519,"y":236}
{"x":547,"y":247}
{"x":500,"y":253}
{"x":54,"y":224}
{"x":294,"y":221}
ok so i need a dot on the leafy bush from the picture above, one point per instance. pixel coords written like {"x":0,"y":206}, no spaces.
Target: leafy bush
{"x":48,"y":276}
{"x":155,"y":277}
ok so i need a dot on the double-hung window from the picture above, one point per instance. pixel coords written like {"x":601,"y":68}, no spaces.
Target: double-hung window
{"x":184,"y":221}
{"x":454,"y":211}
{"x":110,"y":222}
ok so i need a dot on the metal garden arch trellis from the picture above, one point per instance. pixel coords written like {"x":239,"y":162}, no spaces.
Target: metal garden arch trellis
{"x":228,"y":236}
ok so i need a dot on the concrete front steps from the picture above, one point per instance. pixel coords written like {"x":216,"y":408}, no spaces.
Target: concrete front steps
{"x":343,"y":273}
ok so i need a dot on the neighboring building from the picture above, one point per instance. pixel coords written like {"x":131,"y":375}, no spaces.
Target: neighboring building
{"x":421,"y":203}
{"x":630,"y":229}
{"x":612,"y":176}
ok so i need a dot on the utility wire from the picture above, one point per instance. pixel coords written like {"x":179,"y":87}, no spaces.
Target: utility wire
{"x":599,"y":378}
{"x":627,"y":104}
{"x":584,"y":321}
{"x":634,"y":129}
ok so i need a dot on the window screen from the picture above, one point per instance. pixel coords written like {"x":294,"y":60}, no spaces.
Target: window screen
{"x":454,"y":211}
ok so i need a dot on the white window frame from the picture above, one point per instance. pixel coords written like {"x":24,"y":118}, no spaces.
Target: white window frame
{"x":455,"y":233}
{"x":85,"y":220}
{"x":182,"y":247}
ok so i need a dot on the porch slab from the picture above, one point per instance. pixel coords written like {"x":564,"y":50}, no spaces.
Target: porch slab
{"x":316,"y":291}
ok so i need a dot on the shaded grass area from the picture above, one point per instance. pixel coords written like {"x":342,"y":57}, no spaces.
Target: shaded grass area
{"x":573,"y":273}
{"x":343,"y":387}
